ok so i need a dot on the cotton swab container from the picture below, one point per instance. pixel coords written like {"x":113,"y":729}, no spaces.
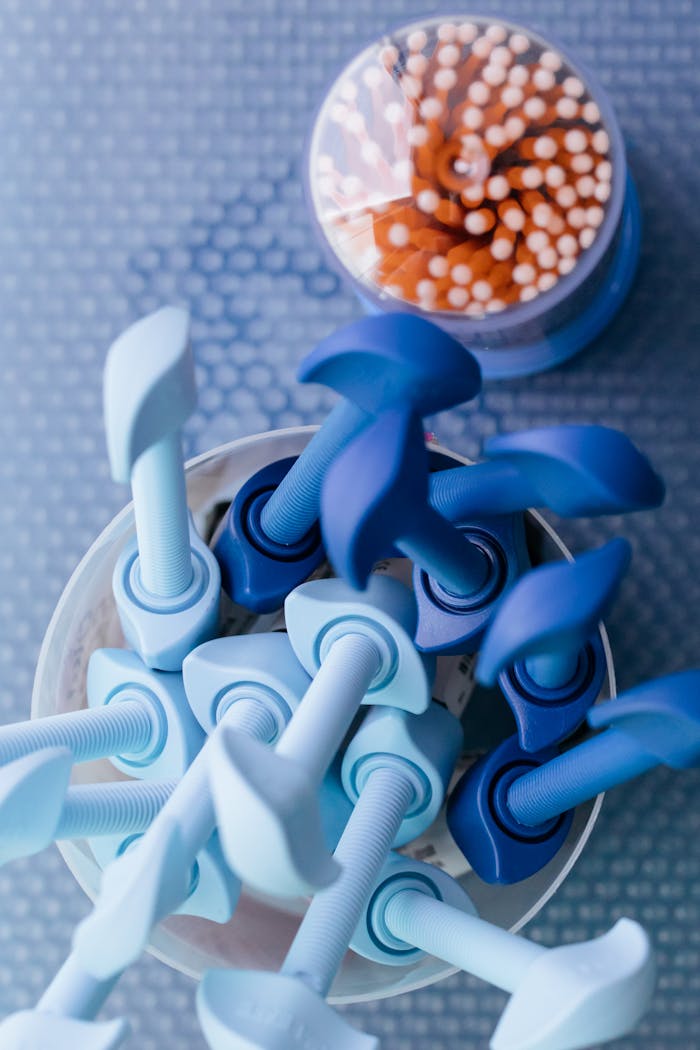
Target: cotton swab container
{"x":261,"y":930}
{"x":472,"y":171}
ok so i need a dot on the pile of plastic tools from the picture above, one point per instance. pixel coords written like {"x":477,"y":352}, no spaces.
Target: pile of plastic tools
{"x":300,"y":759}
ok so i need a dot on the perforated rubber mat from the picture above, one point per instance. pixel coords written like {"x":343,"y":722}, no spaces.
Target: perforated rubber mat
{"x":150,"y":152}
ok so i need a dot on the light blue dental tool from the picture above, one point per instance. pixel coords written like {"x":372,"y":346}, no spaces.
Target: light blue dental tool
{"x":151,"y":880}
{"x":359,"y":648}
{"x":137,"y":717}
{"x":166,"y":581}
{"x":38,"y":807}
{"x":575,"y":995}
{"x":397,"y":767}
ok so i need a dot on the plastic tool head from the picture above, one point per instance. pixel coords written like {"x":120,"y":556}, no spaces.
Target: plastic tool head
{"x":662,"y":717}
{"x":32,"y":793}
{"x":553,"y":610}
{"x":262,"y":666}
{"x":247,"y":1010}
{"x":163,"y":641}
{"x":580,"y":995}
{"x":149,"y":386}
{"x":394,"y":359}
{"x":212,"y":888}
{"x":321,"y":611}
{"x":424,"y":747}
{"x":372,"y":938}
{"x":273,"y":835}
{"x":30,"y":1029}
{"x":554,"y":607}
{"x":371,"y":491}
{"x":498,"y":847}
{"x":115,"y":675}
{"x":256,"y":571}
{"x":581,"y":470}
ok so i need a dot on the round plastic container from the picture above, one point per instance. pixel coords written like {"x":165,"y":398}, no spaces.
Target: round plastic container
{"x":472,"y":171}
{"x":260,"y":932}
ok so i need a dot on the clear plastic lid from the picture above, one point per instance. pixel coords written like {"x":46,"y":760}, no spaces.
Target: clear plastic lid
{"x":466,"y":168}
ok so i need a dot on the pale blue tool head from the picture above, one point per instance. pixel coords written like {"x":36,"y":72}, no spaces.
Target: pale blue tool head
{"x":213,"y":889}
{"x":423,"y":747}
{"x":139,"y":889}
{"x":320,"y":611}
{"x":372,"y":939}
{"x":273,"y":837}
{"x":32,"y":793}
{"x":579,"y":995}
{"x":555,"y":606}
{"x":163,"y":633}
{"x":662,"y":717}
{"x":149,"y":386}
{"x":394,"y":359}
{"x":250,"y":1010}
{"x":34,"y":1030}
{"x":261,"y":666}
{"x":371,"y":491}
{"x":115,"y":675}
{"x":581,"y":470}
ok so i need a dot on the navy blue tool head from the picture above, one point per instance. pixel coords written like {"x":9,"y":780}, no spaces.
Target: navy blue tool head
{"x":498,"y":847}
{"x":581,"y":470}
{"x":450,"y":624}
{"x":371,"y":488}
{"x":394,"y":359}
{"x":553,"y":607}
{"x":545,"y":715}
{"x":256,"y":571}
{"x":662,"y":716}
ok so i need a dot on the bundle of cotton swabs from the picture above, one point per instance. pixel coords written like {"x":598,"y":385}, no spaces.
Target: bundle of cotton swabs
{"x":461,"y":168}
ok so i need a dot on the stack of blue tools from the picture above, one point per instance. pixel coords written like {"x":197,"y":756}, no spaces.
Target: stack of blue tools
{"x":234,"y":743}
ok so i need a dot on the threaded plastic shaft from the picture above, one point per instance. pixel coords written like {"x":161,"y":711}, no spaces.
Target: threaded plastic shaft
{"x":463,"y":940}
{"x":75,"y":993}
{"x":330,"y":703}
{"x":120,"y":808}
{"x":162,"y":522}
{"x":252,"y":717}
{"x":444,"y":552}
{"x":494,"y":487}
{"x":123,"y":728}
{"x":323,"y":937}
{"x":576,"y":776}
{"x":293,"y":506}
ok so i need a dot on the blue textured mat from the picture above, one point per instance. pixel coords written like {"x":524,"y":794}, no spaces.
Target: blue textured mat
{"x":151,"y":152}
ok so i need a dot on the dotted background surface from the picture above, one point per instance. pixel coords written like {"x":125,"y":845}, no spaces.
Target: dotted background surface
{"x":150,"y":152}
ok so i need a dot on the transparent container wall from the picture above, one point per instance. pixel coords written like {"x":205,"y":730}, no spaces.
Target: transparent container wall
{"x":470,"y":170}
{"x":260,"y":932}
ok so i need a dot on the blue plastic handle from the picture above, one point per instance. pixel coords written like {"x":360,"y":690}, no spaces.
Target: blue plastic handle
{"x":394,"y":359}
{"x":553,"y":609}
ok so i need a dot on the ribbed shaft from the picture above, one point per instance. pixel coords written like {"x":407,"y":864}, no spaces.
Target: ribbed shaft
{"x":323,"y":937}
{"x":330,"y":703}
{"x":162,"y":523}
{"x":576,"y":776}
{"x":75,"y":993}
{"x":191,"y":802}
{"x":251,"y":717}
{"x":123,"y":728}
{"x":443,"y":552}
{"x":463,"y":940}
{"x":553,"y":670}
{"x":121,"y":808}
{"x":494,"y":487}
{"x":293,"y":507}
